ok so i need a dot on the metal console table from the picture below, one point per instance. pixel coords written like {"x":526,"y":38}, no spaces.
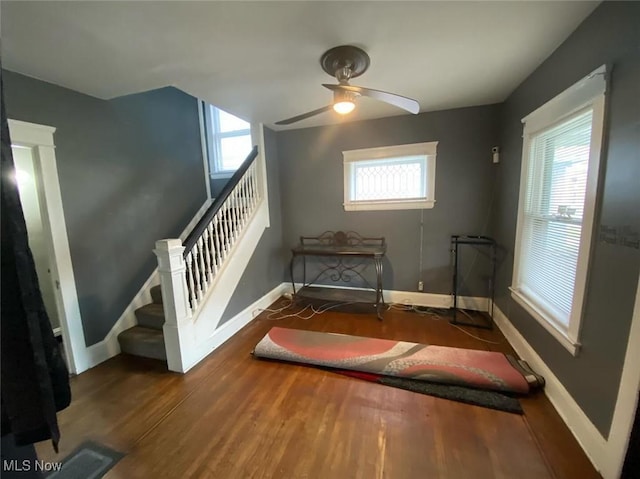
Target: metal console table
{"x":456,"y":242}
{"x":343,"y":258}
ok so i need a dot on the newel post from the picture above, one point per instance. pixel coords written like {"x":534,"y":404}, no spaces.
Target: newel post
{"x":178,"y":335}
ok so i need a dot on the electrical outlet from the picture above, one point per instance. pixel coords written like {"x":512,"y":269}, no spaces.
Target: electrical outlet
{"x":420,"y":285}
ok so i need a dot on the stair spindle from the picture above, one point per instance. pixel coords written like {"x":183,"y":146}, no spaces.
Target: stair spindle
{"x":206,"y":259}
{"x":236,"y":211}
{"x":232,"y":220}
{"x":212,"y":251}
{"x":254,"y":185}
{"x":226,"y":237}
{"x":219,"y":249}
{"x":197,"y":275}
{"x":245,"y":204}
{"x":191,"y":284}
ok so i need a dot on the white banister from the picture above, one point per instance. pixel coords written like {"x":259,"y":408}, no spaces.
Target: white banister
{"x":189,"y":278}
{"x":208,"y":254}
{"x":177,"y":328}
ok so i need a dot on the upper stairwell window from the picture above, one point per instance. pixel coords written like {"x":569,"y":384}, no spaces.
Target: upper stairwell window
{"x":558,"y":185}
{"x":228,"y":141}
{"x":390,"y":177}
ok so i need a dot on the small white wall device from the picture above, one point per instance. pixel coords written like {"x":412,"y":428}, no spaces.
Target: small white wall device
{"x":496,"y":154}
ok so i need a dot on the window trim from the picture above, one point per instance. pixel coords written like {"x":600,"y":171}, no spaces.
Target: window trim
{"x":427,"y":149}
{"x":214,"y":135}
{"x":587,"y":93}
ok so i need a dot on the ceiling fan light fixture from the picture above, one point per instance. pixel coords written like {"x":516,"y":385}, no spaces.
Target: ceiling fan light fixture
{"x":344,"y":63}
{"x":344,"y":102}
{"x":344,"y":107}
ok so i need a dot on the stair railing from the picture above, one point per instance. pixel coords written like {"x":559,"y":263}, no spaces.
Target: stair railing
{"x":212,"y":240}
{"x":188,"y":270}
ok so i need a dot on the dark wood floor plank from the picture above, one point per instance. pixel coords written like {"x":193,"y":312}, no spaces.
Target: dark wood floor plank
{"x":234,"y":416}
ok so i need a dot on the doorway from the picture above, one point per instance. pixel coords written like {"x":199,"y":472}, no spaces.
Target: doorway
{"x":31,"y":208}
{"x":37,"y":177}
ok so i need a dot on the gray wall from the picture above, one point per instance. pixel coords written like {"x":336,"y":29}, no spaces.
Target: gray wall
{"x":130,"y":172}
{"x":264,"y":271}
{"x":610,"y":35}
{"x":311,"y":185}
{"x":217,"y":184}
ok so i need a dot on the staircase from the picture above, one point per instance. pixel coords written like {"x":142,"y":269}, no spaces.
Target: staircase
{"x":198,"y":276}
{"x":146,"y":339}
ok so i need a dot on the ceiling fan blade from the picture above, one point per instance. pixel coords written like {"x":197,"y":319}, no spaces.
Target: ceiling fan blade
{"x":400,"y":101}
{"x":304,"y":116}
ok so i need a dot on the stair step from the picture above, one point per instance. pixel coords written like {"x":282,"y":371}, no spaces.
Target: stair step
{"x":151,"y":316}
{"x":141,"y":341}
{"x":156,"y":294}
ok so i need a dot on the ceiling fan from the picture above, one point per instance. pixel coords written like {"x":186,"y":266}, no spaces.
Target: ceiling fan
{"x":344,"y":63}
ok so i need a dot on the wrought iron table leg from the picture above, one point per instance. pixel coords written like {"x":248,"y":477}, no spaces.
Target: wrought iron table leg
{"x":304,"y":271}
{"x":379,"y":296}
{"x":293,"y":284}
{"x":454,"y":250}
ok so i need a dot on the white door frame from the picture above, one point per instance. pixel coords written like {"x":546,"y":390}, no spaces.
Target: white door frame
{"x":39,"y":139}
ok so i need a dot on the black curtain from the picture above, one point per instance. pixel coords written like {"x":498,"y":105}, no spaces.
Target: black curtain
{"x":34,"y":377}
{"x":631,"y":468}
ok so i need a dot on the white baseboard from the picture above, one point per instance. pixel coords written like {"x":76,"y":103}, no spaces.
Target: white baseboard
{"x":587,"y":435}
{"x":430,"y":300}
{"x":235,"y":324}
{"x":109,"y":346}
{"x":434,"y":300}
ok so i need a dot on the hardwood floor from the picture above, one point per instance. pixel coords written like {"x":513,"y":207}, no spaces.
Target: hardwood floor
{"x":236,"y":417}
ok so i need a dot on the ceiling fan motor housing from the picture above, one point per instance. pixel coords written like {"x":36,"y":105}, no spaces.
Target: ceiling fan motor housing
{"x":345,"y":62}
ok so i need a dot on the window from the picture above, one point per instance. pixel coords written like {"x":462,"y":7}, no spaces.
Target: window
{"x":560,"y":162}
{"x":390,"y":177}
{"x":228,"y":141}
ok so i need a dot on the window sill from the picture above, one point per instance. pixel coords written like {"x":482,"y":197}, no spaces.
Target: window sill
{"x":223,"y":175}
{"x":546,"y":322}
{"x":389,"y":205}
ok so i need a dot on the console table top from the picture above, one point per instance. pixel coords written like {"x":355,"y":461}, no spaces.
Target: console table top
{"x":340,"y":243}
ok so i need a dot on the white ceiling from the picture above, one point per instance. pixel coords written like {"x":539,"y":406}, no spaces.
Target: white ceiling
{"x":260,"y":60}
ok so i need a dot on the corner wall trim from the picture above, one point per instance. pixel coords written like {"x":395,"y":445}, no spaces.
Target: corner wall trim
{"x":587,"y":435}
{"x":627,"y":402}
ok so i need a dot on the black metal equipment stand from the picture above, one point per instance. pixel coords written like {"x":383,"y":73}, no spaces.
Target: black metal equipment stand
{"x":456,"y":241}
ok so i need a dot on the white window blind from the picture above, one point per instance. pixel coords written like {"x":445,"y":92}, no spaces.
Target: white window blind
{"x":554,"y":207}
{"x":558,"y":188}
